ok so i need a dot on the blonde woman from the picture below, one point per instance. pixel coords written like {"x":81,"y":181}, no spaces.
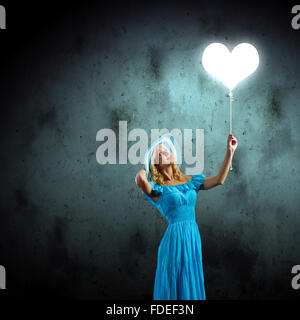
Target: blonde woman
{"x":179,"y":271}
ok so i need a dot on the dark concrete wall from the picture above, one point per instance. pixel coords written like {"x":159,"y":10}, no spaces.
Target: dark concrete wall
{"x":73,"y":228}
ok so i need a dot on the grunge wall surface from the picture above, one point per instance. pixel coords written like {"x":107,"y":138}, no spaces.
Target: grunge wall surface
{"x":71,"y":227}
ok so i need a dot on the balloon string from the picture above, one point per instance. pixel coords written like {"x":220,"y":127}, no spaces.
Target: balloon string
{"x":231,"y":99}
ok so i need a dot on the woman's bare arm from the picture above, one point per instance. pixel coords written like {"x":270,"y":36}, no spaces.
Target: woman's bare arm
{"x":211,"y":182}
{"x":223,"y":172}
{"x":143,"y":183}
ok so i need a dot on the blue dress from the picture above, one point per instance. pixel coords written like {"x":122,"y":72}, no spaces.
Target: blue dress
{"x":179,"y":271}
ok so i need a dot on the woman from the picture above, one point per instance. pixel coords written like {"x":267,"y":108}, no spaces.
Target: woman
{"x":179,"y":272}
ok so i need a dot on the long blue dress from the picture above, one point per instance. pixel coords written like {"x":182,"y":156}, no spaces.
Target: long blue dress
{"x":179,"y":271}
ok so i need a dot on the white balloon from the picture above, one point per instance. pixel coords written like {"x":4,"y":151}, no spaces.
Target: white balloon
{"x":230,"y":67}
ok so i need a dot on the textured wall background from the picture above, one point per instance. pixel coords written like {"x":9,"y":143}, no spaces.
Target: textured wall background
{"x":73,"y":228}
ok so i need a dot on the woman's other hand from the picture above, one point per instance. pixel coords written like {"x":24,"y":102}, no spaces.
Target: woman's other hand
{"x":141,"y":175}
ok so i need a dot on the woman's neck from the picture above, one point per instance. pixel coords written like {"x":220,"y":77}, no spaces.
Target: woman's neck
{"x":168,"y":174}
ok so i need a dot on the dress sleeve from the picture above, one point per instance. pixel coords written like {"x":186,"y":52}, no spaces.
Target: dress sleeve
{"x":158,"y":190}
{"x":198,"y":180}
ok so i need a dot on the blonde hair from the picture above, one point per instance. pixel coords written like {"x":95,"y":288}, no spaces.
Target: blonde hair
{"x":157,"y":177}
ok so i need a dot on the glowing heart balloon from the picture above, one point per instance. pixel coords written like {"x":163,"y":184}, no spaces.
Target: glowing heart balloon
{"x":230,"y":67}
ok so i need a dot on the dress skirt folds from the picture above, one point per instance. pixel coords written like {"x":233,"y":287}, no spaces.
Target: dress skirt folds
{"x":179,"y":271}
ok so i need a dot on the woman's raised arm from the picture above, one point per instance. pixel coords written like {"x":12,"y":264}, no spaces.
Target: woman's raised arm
{"x":143,"y":183}
{"x":211,"y":182}
{"x":231,"y":147}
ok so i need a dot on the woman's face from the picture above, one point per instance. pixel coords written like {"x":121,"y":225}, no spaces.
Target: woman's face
{"x":165,"y":158}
